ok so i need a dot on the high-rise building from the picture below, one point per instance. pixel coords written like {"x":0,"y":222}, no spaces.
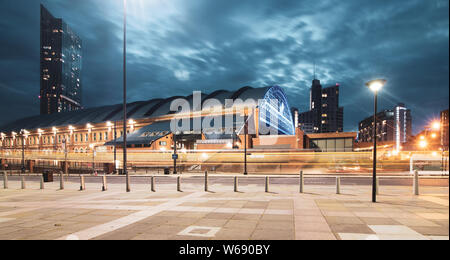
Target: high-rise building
{"x":444,"y":129}
{"x":325,"y":115}
{"x":392,"y":126}
{"x":60,"y":66}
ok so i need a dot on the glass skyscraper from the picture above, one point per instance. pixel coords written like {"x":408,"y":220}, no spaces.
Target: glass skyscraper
{"x":60,"y":66}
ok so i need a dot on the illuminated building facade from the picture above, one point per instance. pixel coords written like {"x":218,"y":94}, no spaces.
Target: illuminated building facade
{"x":60,"y":66}
{"x":269,"y":125}
{"x":149,"y":124}
{"x":392,"y":126}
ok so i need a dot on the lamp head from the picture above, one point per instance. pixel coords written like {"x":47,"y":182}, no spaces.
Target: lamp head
{"x":436,"y":125}
{"x":376,"y":85}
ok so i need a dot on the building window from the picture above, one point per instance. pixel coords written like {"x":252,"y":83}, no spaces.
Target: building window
{"x":106,"y":136}
{"x":99,"y":136}
{"x":163,"y":143}
{"x":95,"y":136}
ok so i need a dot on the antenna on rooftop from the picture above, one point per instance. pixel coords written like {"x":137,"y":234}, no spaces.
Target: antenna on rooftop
{"x":314,"y":69}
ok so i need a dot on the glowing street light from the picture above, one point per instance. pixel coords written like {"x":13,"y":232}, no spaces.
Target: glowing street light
{"x":423,"y":144}
{"x":71,"y":128}
{"x":375,"y":86}
{"x":436,"y":125}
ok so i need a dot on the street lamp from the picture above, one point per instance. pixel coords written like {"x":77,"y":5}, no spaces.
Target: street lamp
{"x":175,"y":155}
{"x":125,"y":95}
{"x":375,"y":86}
{"x":423,"y":144}
{"x":54,"y":137}
{"x":23,"y":132}
{"x":436,"y":125}
{"x":245,"y":140}
{"x":92,"y":146}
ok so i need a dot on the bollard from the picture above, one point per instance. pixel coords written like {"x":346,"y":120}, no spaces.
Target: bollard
{"x":377,"y":183}
{"x":179,"y":183}
{"x":152,"y":181}
{"x":104,"y":187}
{"x":416,"y":182}
{"x":267,"y":183}
{"x":301,"y":182}
{"x":206,"y":181}
{"x":61,"y":181}
{"x":23,"y":183}
{"x":338,"y":185}
{"x":42,"y":182}
{"x":235,"y":184}
{"x":82,"y":183}
{"x":5,"y":179}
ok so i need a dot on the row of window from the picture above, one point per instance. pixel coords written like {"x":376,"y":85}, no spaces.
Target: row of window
{"x":77,"y":138}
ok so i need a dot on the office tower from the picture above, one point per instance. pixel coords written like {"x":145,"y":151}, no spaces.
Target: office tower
{"x":60,"y":66}
{"x":325,"y":115}
{"x":444,"y":130}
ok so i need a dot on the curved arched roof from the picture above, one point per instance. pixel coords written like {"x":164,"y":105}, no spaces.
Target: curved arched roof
{"x":137,"y":110}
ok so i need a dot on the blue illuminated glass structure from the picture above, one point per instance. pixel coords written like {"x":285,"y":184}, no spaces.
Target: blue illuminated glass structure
{"x":275,"y":112}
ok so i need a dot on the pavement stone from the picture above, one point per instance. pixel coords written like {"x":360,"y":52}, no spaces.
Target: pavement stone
{"x":248,"y":215}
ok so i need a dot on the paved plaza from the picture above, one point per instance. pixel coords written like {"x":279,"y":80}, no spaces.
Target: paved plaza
{"x":221,"y":214}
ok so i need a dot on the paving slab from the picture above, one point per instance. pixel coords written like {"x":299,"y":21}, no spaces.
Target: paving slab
{"x":223,"y":214}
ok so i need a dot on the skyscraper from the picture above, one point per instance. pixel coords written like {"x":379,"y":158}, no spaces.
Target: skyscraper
{"x":325,"y":115}
{"x":60,"y":66}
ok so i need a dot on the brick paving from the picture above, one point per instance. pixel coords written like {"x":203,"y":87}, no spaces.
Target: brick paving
{"x":221,"y":214}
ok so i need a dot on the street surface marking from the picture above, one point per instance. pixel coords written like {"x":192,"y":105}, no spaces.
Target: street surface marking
{"x":130,"y":219}
{"x":212,"y":231}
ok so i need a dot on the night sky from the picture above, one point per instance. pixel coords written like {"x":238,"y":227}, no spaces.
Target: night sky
{"x":177,"y":46}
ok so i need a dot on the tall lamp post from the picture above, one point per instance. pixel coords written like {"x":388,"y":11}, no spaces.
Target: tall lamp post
{"x":125,"y":95}
{"x":22,"y":132}
{"x":375,"y":86}
{"x":245,"y":140}
{"x":175,"y":155}
{"x":115,"y":147}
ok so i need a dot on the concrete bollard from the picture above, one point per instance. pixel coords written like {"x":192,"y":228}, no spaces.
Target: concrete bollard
{"x":82,"y":183}
{"x":42,"y":182}
{"x":24,"y":186}
{"x":152,"y":183}
{"x":61,"y":181}
{"x":416,"y":182}
{"x":301,"y":182}
{"x":235,"y":184}
{"x":105,"y":185}
{"x":5,"y":180}
{"x":206,"y":181}
{"x":338,"y":185}
{"x":179,"y":183}
{"x":267,"y":183}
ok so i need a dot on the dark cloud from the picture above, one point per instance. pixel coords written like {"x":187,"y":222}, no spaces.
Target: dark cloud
{"x":177,"y":46}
